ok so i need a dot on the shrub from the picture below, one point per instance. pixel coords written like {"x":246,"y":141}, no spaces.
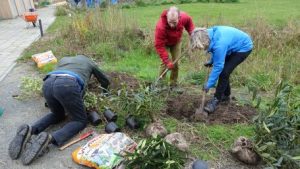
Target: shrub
{"x":277,"y":129}
{"x":61,"y":11}
{"x":141,"y":3}
{"x":145,"y":105}
{"x":185,"y":1}
{"x":218,"y":1}
{"x":44,"y":3}
{"x":167,"y":2}
{"x":98,"y":28}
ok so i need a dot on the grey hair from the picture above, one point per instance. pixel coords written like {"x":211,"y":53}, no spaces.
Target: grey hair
{"x":199,"y":38}
{"x":172,"y":10}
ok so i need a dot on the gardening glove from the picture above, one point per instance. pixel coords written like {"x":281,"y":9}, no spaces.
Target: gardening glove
{"x":170,"y":65}
{"x":208,"y":64}
{"x":205,"y":89}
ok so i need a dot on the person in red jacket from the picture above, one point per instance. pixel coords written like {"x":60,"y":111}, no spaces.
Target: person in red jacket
{"x":168,"y":35}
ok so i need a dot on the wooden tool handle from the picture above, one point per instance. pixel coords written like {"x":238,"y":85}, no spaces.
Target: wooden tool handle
{"x":166,"y":70}
{"x":68,"y":144}
{"x":85,"y":135}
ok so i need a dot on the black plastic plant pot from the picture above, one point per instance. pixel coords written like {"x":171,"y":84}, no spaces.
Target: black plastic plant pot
{"x":94,"y":118}
{"x":199,"y":164}
{"x":132,"y":123}
{"x":110,"y":116}
{"x":111,"y":127}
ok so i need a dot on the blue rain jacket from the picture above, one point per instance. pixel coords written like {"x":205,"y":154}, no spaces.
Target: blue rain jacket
{"x":225,"y":40}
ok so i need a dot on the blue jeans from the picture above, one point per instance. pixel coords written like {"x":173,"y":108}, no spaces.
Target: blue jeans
{"x":63,"y":95}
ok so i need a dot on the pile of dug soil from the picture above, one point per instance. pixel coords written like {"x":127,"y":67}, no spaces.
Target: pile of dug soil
{"x":185,"y":105}
{"x":117,"y":81}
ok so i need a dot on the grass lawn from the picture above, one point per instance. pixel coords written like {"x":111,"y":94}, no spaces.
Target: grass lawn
{"x":276,"y":12}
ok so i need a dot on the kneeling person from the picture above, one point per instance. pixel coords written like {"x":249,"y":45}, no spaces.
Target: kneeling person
{"x":63,"y":90}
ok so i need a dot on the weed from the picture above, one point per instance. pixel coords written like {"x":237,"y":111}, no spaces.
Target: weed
{"x":61,"y":11}
{"x":47,"y":68}
{"x":91,"y":100}
{"x":30,"y":87}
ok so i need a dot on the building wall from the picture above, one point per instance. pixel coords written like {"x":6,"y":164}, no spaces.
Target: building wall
{"x":5,"y":11}
{"x":13,"y":8}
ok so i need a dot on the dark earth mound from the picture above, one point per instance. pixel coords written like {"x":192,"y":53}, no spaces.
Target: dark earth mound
{"x":185,"y":105}
{"x":117,"y":82}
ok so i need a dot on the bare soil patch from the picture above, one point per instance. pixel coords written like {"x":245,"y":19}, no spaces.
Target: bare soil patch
{"x":118,"y":80}
{"x":185,"y":105}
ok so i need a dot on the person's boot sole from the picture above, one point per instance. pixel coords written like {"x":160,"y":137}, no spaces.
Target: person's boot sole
{"x":208,"y":111}
{"x":18,"y":144}
{"x":38,"y":145}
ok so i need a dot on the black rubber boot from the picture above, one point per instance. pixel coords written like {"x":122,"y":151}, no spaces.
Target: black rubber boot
{"x":17,"y":145}
{"x":211,"y":105}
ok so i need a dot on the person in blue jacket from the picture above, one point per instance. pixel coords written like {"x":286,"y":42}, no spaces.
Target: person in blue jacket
{"x":228,"y":47}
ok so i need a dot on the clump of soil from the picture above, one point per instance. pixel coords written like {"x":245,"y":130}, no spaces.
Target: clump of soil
{"x":185,"y":105}
{"x":117,"y":80}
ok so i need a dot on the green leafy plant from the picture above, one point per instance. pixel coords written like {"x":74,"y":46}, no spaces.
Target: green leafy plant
{"x":254,"y":101}
{"x":156,"y":153}
{"x":277,"y":129}
{"x":91,"y":100}
{"x":196,"y":78}
{"x":141,"y":3}
{"x":30,"y":87}
{"x":61,"y":11}
{"x":44,"y":3}
{"x":143,"y":104}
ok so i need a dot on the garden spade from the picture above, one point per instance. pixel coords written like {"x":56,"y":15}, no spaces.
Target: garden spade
{"x":164,"y":72}
{"x":200,"y":114}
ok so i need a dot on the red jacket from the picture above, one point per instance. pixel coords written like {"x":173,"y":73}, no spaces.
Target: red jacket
{"x":165,"y":36}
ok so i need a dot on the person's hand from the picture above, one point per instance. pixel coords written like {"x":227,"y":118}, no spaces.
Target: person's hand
{"x":208,"y":64}
{"x":205,"y":89}
{"x":170,"y":65}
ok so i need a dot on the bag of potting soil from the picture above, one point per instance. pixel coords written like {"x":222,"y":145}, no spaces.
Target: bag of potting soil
{"x":41,"y":59}
{"x":104,"y":151}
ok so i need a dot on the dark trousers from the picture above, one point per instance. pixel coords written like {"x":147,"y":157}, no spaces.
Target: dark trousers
{"x":231,"y":62}
{"x":63,"y":95}
{"x":76,"y":1}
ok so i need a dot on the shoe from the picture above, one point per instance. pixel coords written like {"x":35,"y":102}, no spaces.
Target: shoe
{"x":211,"y":105}
{"x":35,"y":147}
{"x":225,"y":99}
{"x":17,"y":145}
